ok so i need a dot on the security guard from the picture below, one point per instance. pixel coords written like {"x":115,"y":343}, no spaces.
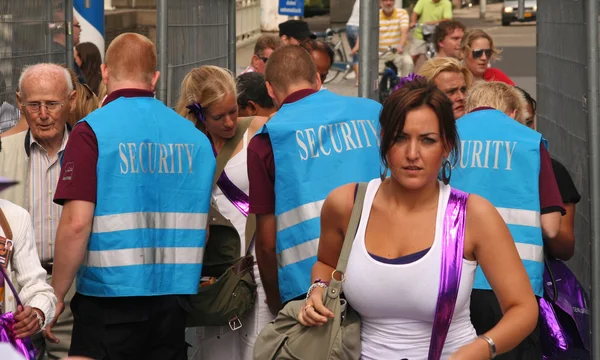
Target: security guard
{"x":316,"y":142}
{"x":508,"y":164}
{"x":136,"y":184}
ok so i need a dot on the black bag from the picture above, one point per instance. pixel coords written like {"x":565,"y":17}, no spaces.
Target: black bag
{"x":231,"y":292}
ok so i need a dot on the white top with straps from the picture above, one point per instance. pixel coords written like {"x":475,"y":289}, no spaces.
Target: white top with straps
{"x":397,"y":302}
{"x":237,"y":171}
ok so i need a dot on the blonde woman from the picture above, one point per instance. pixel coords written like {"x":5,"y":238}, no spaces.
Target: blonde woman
{"x":478,"y":50}
{"x":452,"y":78}
{"x":208,"y":98}
{"x":85,"y":102}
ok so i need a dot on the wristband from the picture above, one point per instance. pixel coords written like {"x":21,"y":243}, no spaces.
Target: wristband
{"x":321,"y":281}
{"x":491,"y":345}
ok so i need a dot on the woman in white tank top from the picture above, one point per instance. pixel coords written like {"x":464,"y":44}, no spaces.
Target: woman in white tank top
{"x":214,"y":90}
{"x":393,"y":272}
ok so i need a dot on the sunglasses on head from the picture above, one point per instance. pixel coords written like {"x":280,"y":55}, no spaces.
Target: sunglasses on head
{"x":477,"y":53}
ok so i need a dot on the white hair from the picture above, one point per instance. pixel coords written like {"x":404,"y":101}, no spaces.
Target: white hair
{"x":45,"y":68}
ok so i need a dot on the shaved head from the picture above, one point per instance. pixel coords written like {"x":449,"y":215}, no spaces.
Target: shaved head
{"x":35,"y":74}
{"x":131,"y":57}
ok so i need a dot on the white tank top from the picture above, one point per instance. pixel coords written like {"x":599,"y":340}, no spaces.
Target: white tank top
{"x":397,"y":302}
{"x":237,"y":171}
{"x":355,"y":15}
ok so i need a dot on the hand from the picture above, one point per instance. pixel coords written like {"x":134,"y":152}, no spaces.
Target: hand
{"x":477,"y":349}
{"x":314,"y":312}
{"x":60,"y":307}
{"x":27,"y":322}
{"x":400,"y":49}
{"x":355,"y":50}
{"x":412,"y":25}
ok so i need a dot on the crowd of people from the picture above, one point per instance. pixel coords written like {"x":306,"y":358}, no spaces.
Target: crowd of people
{"x":113,"y":202}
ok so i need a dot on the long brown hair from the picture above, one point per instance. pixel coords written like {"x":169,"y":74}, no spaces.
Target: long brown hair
{"x":90,"y":64}
{"x":410,"y":96}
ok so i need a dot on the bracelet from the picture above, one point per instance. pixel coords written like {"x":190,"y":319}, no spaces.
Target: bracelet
{"x":321,"y":281}
{"x":491,"y":345}
{"x":314,"y":286}
{"x":40,"y":319}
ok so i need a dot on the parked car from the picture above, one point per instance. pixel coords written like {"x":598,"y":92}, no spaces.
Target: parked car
{"x":510,"y":11}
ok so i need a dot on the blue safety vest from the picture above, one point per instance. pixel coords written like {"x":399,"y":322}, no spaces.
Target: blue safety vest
{"x":320,"y":142}
{"x":500,"y":161}
{"x":154,"y":175}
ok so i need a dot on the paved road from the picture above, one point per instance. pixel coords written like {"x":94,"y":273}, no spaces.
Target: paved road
{"x":517,"y":42}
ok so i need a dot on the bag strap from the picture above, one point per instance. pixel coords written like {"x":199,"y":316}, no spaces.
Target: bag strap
{"x":361,"y":191}
{"x":9,"y":235}
{"x":453,"y":241}
{"x":5,"y":226}
{"x":225,"y":155}
{"x":552,"y":279}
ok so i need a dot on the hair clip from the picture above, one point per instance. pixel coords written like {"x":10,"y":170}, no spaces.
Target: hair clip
{"x":198,"y":112}
{"x":406,"y":79}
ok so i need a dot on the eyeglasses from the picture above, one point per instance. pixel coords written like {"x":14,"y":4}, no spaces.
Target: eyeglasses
{"x":264,"y":59}
{"x":36,"y":107}
{"x":477,"y":53}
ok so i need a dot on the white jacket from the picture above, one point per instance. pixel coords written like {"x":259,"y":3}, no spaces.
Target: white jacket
{"x":25,"y":265}
{"x":14,"y":165}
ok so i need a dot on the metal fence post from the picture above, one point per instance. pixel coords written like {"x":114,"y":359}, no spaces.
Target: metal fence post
{"x":369,"y":49}
{"x":591,"y":13}
{"x":70,"y":57}
{"x":163,"y":55}
{"x":521,"y":9}
{"x":231,"y":36}
{"x":482,"y":9}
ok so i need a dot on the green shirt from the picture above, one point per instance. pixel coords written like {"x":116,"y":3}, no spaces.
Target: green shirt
{"x":430,"y":11}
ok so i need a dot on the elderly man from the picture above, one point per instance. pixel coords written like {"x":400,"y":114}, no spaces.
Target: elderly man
{"x":19,"y":257}
{"x":452,"y":77}
{"x":132,"y":229}
{"x":32,"y":158}
{"x":393,"y":33}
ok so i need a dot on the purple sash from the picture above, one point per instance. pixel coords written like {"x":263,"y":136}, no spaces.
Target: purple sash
{"x":564,"y":314}
{"x":7,"y":320}
{"x":453,"y":241}
{"x":238,"y":198}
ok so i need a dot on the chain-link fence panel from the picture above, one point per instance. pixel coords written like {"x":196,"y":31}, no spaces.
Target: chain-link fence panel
{"x":197,"y":35}
{"x":562,"y":114}
{"x":31,"y":32}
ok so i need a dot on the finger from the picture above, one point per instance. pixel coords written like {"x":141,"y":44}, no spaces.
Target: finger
{"x":27,"y":328}
{"x":313,"y":315}
{"x":304,"y":320}
{"x":49,"y":335}
{"x":23,"y":313}
{"x":322,"y":309}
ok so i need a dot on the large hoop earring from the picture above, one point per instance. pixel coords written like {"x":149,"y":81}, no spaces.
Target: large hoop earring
{"x":383,"y":170}
{"x":446,"y":171}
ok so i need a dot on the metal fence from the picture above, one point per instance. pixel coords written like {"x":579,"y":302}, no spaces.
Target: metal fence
{"x":562,"y":114}
{"x":192,"y":33}
{"x":31,"y":32}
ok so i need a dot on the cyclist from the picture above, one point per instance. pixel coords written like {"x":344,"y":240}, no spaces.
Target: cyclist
{"x":447,"y":38}
{"x":295,"y":32}
{"x":393,"y":32}
{"x":427,"y":12}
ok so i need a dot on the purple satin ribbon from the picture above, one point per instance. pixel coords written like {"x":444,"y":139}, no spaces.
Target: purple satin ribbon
{"x":238,"y":198}
{"x":453,"y":238}
{"x":23,"y":346}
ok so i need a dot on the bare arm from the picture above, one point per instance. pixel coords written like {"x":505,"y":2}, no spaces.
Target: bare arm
{"x":266,"y":257}
{"x":72,"y":238}
{"x":551,"y":225}
{"x":403,"y":37}
{"x":497,"y":255}
{"x":414,"y":17}
{"x":562,"y":246}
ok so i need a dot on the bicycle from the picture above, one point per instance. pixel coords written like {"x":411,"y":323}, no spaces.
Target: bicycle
{"x":428,"y":31}
{"x":340,"y":65}
{"x":389,"y":76}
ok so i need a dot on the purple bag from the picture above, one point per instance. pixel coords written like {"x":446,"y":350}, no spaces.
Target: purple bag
{"x":23,"y":346}
{"x":564,"y":315}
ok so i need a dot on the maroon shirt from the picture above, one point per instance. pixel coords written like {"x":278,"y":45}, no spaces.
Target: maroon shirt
{"x":261,"y":166}
{"x":78,"y":179}
{"x":550,"y":199}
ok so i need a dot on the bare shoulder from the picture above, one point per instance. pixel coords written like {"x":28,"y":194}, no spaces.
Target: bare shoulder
{"x":257,"y":123}
{"x":483,"y":220}
{"x":338,"y":205}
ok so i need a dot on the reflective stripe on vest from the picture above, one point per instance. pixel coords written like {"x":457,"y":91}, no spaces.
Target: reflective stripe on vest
{"x":319,"y":143}
{"x":154,"y":184}
{"x":501,"y":162}
{"x":149,"y":220}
